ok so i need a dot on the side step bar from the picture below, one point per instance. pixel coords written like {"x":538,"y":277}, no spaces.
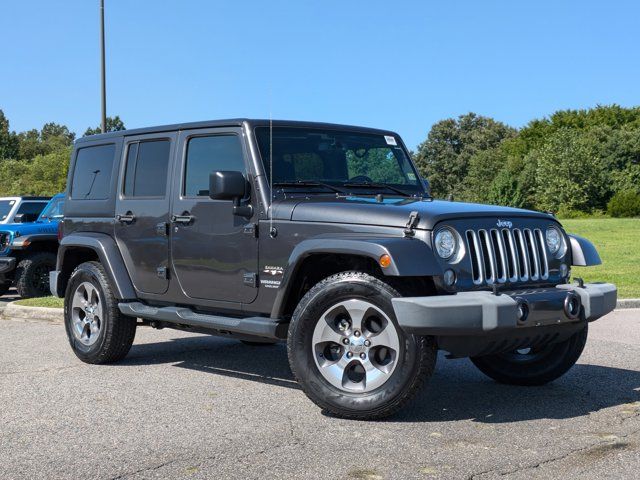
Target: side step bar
{"x":255,"y":326}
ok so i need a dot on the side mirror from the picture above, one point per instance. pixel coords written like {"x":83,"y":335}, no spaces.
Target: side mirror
{"x":19,"y":218}
{"x":230,"y":185}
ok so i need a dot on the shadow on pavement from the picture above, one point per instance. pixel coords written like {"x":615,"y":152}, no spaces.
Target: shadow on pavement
{"x":219,"y":356}
{"x":10,"y":296}
{"x":457,"y":391}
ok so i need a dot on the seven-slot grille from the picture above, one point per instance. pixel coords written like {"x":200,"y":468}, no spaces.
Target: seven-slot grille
{"x":513,"y":255}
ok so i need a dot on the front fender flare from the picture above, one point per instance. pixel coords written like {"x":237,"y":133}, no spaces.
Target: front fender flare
{"x":410,"y":257}
{"x":583,"y":252}
{"x":24,"y":241}
{"x":108,"y":254}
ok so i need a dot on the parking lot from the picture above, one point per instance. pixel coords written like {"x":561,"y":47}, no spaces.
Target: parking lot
{"x":194,"y":406}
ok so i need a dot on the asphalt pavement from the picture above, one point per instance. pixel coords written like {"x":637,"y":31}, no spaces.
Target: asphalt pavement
{"x":10,"y":296}
{"x":194,"y":406}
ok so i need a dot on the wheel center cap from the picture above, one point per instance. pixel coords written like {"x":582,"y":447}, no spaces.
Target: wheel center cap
{"x":356,"y":344}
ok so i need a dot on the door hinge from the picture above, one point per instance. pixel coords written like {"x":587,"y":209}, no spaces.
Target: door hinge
{"x":162,"y":229}
{"x":162,"y":272}
{"x":251,"y":229}
{"x":250,"y":279}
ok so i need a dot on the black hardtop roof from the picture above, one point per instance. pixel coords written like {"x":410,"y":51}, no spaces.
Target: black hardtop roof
{"x":233,"y":122}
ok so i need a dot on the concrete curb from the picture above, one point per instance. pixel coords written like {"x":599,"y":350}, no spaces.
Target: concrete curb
{"x":33,"y":314}
{"x":628,"y":303}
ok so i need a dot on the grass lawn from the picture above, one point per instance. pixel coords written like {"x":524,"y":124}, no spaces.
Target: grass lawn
{"x":618,"y":243}
{"x":53,"y":302}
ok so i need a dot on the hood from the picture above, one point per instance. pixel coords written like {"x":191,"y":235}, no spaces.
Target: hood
{"x":392,"y":212}
{"x":29,"y":228}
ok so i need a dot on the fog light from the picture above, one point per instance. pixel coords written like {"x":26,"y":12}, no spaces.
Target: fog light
{"x":564,"y":270}
{"x":449,"y":278}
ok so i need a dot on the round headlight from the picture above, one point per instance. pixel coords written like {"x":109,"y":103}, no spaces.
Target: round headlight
{"x":554,"y":240}
{"x":446,"y":243}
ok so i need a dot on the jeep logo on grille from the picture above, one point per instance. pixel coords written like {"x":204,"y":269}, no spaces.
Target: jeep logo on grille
{"x":504,"y":223}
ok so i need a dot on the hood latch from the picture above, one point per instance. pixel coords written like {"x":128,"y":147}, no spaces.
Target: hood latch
{"x":409,"y":229}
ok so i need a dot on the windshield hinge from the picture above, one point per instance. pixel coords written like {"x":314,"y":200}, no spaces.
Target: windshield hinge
{"x":409,"y":229}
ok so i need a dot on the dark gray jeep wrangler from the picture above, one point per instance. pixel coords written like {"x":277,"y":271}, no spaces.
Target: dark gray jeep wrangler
{"x":326,"y":237}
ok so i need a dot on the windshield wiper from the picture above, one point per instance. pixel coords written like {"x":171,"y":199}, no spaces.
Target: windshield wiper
{"x":304,"y":183}
{"x":378,"y":185}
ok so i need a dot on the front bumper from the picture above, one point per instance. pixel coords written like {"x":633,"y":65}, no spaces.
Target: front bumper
{"x":53,"y":283}
{"x":482,"y":312}
{"x":7,"y":264}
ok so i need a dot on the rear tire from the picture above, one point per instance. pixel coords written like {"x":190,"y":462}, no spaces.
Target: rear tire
{"x":535,"y":367}
{"x":368,"y":369}
{"x":32,"y":274}
{"x":97,"y":331}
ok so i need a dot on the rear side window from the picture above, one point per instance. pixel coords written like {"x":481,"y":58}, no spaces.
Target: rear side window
{"x":92,"y":173}
{"x":206,"y":154}
{"x":146,"y":170}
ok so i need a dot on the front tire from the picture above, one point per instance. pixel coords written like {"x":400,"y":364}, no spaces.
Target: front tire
{"x":32,"y":274}
{"x":529,"y":366}
{"x":97,"y":331}
{"x":348,"y":353}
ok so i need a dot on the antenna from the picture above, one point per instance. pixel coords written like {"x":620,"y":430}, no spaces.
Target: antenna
{"x":272,"y":231}
{"x":103,"y":88}
{"x":93,"y":181}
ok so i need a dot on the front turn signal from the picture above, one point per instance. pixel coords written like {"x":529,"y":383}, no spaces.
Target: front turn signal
{"x":385,"y":260}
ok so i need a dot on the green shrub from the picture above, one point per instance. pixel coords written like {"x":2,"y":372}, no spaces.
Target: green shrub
{"x":624,"y":204}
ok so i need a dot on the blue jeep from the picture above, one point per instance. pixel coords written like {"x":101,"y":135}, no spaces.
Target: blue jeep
{"x":28,"y":251}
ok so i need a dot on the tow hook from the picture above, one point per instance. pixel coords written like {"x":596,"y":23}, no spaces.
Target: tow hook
{"x":572,"y":305}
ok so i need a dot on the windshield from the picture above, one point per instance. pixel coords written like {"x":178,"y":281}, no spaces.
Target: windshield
{"x":351,"y":162}
{"x":5,"y":208}
{"x":53,"y":209}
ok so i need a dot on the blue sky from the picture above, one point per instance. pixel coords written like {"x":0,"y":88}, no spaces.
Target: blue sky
{"x":401,"y":65}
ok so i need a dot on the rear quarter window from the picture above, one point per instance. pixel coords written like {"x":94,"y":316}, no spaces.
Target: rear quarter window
{"x":92,"y":172}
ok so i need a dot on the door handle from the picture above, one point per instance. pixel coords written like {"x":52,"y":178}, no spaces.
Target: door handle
{"x":184,"y":219}
{"x":128,"y":217}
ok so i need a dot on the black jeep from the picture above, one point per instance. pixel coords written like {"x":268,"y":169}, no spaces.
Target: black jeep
{"x":321,"y":235}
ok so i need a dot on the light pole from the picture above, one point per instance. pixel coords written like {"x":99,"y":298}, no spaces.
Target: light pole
{"x":103,"y":95}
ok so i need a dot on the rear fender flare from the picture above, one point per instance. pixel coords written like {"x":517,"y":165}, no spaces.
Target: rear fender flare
{"x":109,"y":255}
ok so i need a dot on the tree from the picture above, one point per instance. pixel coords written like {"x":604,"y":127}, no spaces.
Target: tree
{"x":43,"y":175}
{"x":8,"y":139}
{"x":52,"y":138}
{"x":444,"y":157}
{"x":113,"y":124}
{"x":54,"y":131}
{"x":569,"y":174}
{"x":484,"y":167}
